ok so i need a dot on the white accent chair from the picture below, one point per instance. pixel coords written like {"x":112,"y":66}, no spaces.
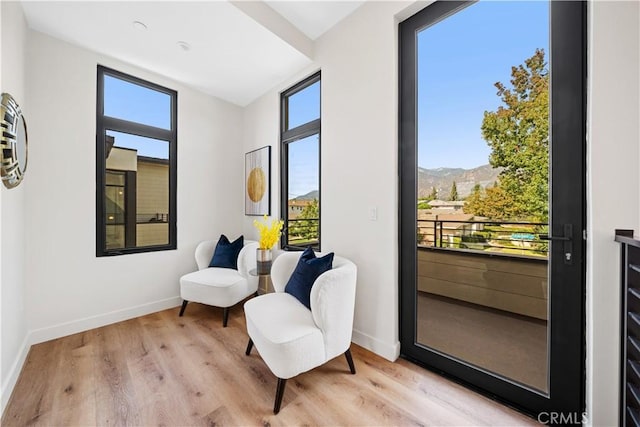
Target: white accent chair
{"x":219,"y":287}
{"x":290,"y":338}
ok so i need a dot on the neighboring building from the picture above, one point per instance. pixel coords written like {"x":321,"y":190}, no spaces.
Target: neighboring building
{"x":434,"y":228}
{"x":445,"y":205}
{"x":137,"y":199}
{"x":296,"y":206}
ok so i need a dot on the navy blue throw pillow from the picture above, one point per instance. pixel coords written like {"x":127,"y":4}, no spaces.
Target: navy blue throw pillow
{"x":226,"y":253}
{"x":309,"y":268}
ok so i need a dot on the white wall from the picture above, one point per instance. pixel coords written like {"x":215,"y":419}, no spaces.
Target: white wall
{"x":12,"y":211}
{"x":613,"y":188}
{"x":259,"y":131}
{"x":68,"y":288}
{"x":358,"y":59}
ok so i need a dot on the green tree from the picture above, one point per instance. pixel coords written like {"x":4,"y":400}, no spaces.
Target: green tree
{"x":498,"y":204}
{"x":306,"y":224}
{"x":494,"y":203}
{"x":433,"y":195}
{"x":474,"y":203}
{"x":518,"y":135}
{"x":453,"y":196}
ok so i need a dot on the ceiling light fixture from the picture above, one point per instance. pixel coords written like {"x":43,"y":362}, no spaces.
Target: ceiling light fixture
{"x":184,"y":46}
{"x":139,"y":25}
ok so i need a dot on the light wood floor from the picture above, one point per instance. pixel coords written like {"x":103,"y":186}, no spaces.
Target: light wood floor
{"x":164,"y":370}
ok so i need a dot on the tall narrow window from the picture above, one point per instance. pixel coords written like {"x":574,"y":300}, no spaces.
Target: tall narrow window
{"x":300,"y":168}
{"x":135,"y":165}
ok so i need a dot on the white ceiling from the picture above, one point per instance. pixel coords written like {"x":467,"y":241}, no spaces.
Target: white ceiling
{"x":314,"y":18}
{"x":233,"y":55}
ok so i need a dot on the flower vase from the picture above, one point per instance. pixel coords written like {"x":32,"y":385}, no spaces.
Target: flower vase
{"x":263,"y":261}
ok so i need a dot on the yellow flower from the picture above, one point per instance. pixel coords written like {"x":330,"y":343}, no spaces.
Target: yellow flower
{"x":269,"y":233}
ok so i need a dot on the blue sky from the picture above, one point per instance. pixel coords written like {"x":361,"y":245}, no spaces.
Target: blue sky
{"x":303,"y":166}
{"x":131,"y":102}
{"x":459,"y":60}
{"x":304,"y":174}
{"x":304,"y":106}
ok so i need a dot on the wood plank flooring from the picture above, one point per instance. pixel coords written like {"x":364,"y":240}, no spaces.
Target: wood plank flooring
{"x":165,"y":370}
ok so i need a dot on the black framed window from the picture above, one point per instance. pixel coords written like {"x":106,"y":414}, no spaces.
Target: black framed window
{"x":136,"y":147}
{"x":300,"y":164}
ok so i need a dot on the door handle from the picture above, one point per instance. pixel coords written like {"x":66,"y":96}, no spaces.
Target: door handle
{"x":545,"y":237}
{"x":567,"y":239}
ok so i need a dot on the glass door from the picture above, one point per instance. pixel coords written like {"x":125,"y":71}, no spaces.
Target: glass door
{"x":492,"y":167}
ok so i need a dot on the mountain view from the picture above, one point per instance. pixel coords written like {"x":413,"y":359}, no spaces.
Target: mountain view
{"x":442,"y":179}
{"x":309,"y":196}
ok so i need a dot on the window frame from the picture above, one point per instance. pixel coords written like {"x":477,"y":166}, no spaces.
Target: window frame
{"x":567,"y":50}
{"x":288,"y":136}
{"x":105,"y":123}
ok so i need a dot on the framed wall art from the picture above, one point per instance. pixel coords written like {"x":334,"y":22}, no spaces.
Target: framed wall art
{"x":257,"y":178}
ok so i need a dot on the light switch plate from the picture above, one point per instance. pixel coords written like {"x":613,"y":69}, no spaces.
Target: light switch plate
{"x":373,"y":214}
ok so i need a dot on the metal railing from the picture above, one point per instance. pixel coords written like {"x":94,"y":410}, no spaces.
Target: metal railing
{"x":303,"y":230}
{"x":144,"y":218}
{"x":494,"y":236}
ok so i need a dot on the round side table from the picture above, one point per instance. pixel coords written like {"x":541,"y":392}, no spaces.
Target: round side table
{"x":264,"y":282}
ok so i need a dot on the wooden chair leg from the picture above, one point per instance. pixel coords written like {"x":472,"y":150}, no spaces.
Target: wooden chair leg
{"x":352,"y":367}
{"x":225,"y":316}
{"x":184,"y":305}
{"x":249,"y":347}
{"x":279,"y":394}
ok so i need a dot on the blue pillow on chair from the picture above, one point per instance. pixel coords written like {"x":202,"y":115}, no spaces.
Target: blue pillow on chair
{"x":226,"y":253}
{"x":309,"y":268}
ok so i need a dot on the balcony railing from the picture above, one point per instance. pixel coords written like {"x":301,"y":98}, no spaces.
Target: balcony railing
{"x":303,"y":231}
{"x":142,"y":218}
{"x":503,"y":237}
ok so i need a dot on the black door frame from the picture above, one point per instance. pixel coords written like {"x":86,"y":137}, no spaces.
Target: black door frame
{"x":568,"y":146}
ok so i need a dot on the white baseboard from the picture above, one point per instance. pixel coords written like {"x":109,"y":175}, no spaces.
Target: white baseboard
{"x":14,"y":373}
{"x":92,"y":322}
{"x":389,"y":351}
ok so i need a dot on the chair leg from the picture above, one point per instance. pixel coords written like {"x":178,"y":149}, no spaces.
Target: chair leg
{"x":249,"y":347}
{"x":279,"y":394}
{"x":184,"y":305}
{"x":352,"y":367}
{"x":225,"y":316}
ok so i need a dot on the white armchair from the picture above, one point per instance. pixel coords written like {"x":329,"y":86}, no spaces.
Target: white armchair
{"x":292,"y":339}
{"x":219,"y":287}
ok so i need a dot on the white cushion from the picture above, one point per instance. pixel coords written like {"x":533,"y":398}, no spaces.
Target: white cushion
{"x":213,"y":276}
{"x":285,"y":334}
{"x":221,"y":287}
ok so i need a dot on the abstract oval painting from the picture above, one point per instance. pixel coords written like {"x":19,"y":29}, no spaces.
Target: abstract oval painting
{"x":257,"y":198}
{"x":256,"y":184}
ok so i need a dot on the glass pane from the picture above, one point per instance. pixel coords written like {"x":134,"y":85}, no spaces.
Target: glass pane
{"x":483,"y":138}
{"x":115,"y":178}
{"x":304,"y":194}
{"x":115,"y":209}
{"x":140,"y":213}
{"x":128,"y":101}
{"x":304,"y":106}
